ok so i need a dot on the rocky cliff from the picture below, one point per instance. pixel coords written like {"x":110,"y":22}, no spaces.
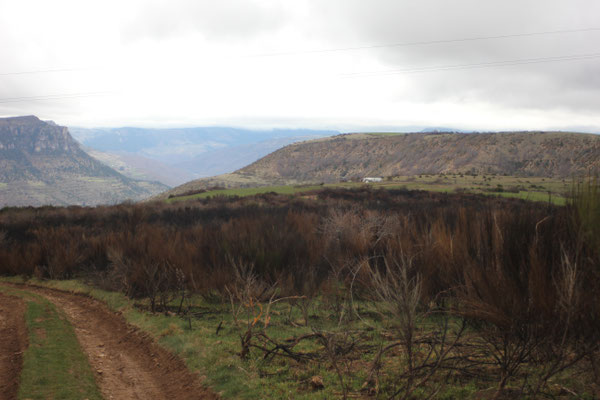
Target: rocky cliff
{"x":40,"y":163}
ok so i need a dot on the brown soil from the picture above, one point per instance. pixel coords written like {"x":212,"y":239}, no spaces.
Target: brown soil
{"x":13,"y":341}
{"x":127,"y":363}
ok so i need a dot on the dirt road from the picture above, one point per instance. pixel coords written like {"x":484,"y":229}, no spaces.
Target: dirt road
{"x":127,"y":363}
{"x":13,"y":341}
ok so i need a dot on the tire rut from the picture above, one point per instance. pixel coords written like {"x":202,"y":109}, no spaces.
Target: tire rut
{"x":13,"y":342}
{"x":127,"y":363}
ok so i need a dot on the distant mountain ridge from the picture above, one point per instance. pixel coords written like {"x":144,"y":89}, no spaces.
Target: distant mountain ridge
{"x":40,"y":163}
{"x":231,"y":158}
{"x":186,"y":153}
{"x":342,"y":157}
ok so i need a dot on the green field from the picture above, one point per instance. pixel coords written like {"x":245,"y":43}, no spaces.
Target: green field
{"x":527,"y":188}
{"x":248,"y":192}
{"x":386,"y":133}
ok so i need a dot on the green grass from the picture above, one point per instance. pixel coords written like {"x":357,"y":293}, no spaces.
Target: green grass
{"x":527,"y":188}
{"x":290,"y":189}
{"x":386,"y":133}
{"x":586,"y":201}
{"x":93,"y":179}
{"x":54,"y":366}
{"x":36,"y":183}
{"x":216,"y":357}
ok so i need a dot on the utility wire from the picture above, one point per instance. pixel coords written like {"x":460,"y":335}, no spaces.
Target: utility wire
{"x":342,"y":49}
{"x":51,"y":97}
{"x":423,"y":43}
{"x":42,"y":71}
{"x":505,"y":63}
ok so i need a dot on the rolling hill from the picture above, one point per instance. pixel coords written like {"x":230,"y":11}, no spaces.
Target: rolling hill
{"x":41,"y":164}
{"x":353,"y":156}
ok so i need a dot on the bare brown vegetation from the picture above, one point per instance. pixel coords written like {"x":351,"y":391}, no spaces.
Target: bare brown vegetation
{"x":506,"y":285}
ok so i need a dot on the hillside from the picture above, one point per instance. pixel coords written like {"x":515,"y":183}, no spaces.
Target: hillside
{"x":141,"y":168}
{"x":343,"y":157}
{"x":40,"y":164}
{"x":174,"y":156}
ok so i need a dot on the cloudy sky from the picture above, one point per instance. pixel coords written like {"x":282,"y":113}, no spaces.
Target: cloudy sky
{"x":343,"y":64}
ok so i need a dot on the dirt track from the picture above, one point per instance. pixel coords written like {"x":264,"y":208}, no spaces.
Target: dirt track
{"x":13,"y":341}
{"x":127,"y":363}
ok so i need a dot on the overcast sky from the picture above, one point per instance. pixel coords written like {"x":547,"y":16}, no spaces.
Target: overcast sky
{"x":343,"y":64}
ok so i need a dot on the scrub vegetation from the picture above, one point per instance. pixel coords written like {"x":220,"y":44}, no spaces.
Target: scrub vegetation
{"x":343,"y":292}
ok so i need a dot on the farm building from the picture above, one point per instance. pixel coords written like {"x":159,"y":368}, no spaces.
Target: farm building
{"x":372,"y":179}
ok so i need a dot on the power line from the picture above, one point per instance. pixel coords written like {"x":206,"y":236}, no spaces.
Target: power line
{"x":42,"y":71}
{"x":504,"y":63}
{"x":423,"y":43}
{"x":52,"y":97}
{"x":342,"y":49}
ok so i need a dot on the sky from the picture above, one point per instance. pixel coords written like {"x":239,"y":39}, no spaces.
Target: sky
{"x":349,"y":65}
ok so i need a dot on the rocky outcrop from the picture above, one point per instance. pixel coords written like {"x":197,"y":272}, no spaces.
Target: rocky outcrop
{"x":40,"y":163}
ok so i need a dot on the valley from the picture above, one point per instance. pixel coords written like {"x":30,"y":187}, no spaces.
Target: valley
{"x":175,"y":156}
{"x":300,"y":200}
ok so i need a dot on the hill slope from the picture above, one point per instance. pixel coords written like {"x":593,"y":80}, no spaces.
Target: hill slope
{"x":545,"y":154}
{"x":177,"y":155}
{"x":41,"y":164}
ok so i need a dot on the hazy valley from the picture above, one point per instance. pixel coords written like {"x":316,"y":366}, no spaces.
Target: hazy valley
{"x":176,"y":156}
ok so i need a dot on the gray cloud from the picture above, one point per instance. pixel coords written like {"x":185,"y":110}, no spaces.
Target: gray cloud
{"x":567,"y":84}
{"x":148,"y":46}
{"x":215,"y":20}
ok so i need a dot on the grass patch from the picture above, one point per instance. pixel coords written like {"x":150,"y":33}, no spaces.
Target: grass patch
{"x":242,"y":192}
{"x":216,"y":356}
{"x":386,"y":133}
{"x":527,"y":188}
{"x":36,"y":183}
{"x":54,"y":366}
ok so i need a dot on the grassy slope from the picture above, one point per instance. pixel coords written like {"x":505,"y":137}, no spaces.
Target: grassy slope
{"x":54,"y":366}
{"x":554,"y":155}
{"x":531,"y":188}
{"x":247,"y":192}
{"x":523,"y":154}
{"x":216,"y":357}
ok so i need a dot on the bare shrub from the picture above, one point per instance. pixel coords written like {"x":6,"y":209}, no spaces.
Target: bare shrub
{"x":245,"y":291}
{"x":397,"y":288}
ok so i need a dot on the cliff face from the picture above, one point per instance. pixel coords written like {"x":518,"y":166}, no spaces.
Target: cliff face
{"x":33,"y":149}
{"x":29,"y":134}
{"x":40,"y":163}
